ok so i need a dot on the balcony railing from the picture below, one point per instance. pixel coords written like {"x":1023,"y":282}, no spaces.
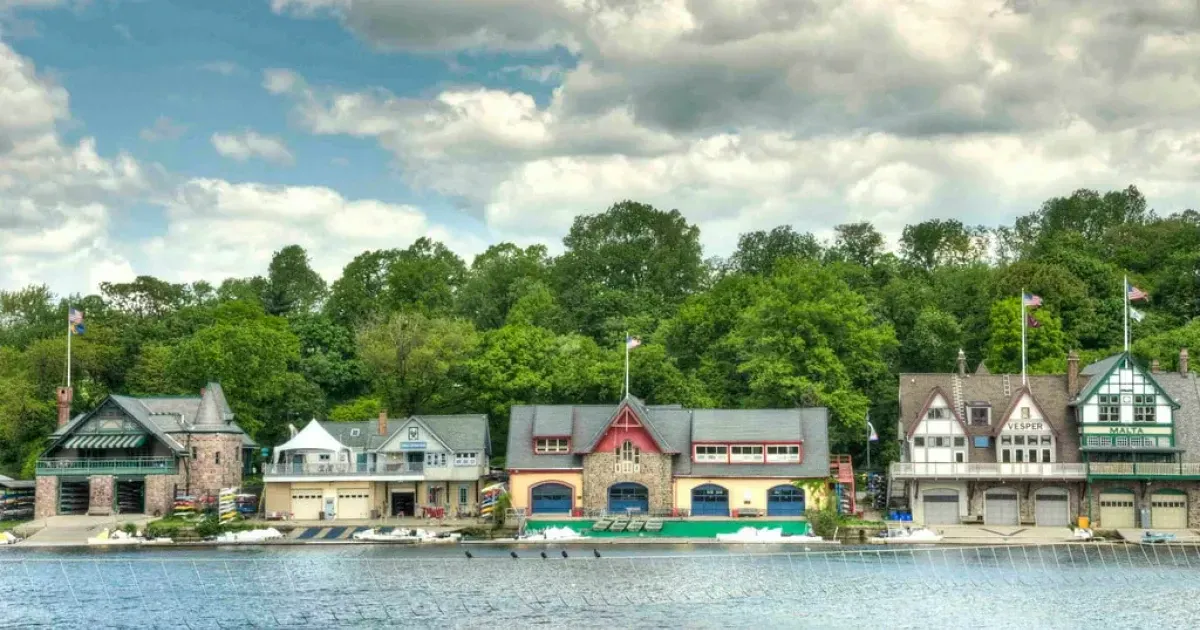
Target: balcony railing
{"x":343,"y":469}
{"x":958,"y":470}
{"x":1130,"y":469}
{"x":125,"y":466}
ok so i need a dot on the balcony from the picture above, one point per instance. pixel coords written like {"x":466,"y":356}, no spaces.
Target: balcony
{"x":125,"y":466}
{"x":1129,"y":470}
{"x":382,"y":471}
{"x":956,"y":470}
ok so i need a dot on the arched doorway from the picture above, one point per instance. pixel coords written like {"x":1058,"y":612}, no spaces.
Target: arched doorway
{"x":552,"y":498}
{"x":785,"y":500}
{"x":623,"y":497}
{"x":710,"y":500}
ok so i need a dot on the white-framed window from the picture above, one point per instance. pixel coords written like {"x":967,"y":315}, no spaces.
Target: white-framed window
{"x":552,"y":446}
{"x":462,"y":495}
{"x":630,"y":453}
{"x":746,"y":453}
{"x":435,"y":459}
{"x":466,"y":459}
{"x":783,"y":453}
{"x":1110,"y":410}
{"x":938,"y":413}
{"x":981,"y":416}
{"x":716,"y":453}
{"x":1025,"y":415}
{"x":324,"y":457}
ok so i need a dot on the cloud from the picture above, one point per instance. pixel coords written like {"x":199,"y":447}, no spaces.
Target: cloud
{"x":226,"y":68}
{"x":746,"y":114}
{"x":244,"y":145}
{"x":163,"y":129}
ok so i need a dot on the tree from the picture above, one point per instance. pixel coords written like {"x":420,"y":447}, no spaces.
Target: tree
{"x":415,"y":359}
{"x":328,"y":357}
{"x":364,"y":408}
{"x":759,"y":252}
{"x":858,"y":242}
{"x":292,"y":285}
{"x":356,"y":297}
{"x":1004,"y":345}
{"x":498,"y":279}
{"x":425,"y":277}
{"x":939,"y":242}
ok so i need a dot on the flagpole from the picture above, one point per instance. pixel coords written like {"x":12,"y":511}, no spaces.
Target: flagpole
{"x":1125,"y":290}
{"x":626,"y":365}
{"x":1023,"y":382}
{"x":68,"y":344}
{"x":868,"y":441}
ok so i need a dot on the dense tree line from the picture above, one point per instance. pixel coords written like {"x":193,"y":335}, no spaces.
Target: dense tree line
{"x":786,"y":320}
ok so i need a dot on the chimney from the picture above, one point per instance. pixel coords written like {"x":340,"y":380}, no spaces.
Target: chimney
{"x":1183,"y":363}
{"x":1072,"y":373}
{"x":383,"y":428}
{"x":1154,"y":366}
{"x":64,"y":395}
{"x":962,"y":363}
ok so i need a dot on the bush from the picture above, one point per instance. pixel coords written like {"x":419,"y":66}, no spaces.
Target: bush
{"x":168,"y":528}
{"x":129,"y":528}
{"x":500,"y":510}
{"x":824,"y":522}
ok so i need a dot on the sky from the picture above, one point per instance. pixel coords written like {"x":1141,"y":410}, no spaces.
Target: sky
{"x":190,"y":140}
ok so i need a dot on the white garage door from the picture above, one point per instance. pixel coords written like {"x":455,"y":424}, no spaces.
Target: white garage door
{"x":1116,"y":510}
{"x":1168,"y":510}
{"x":1051,"y":508}
{"x":353,"y":504}
{"x":941,"y":507}
{"x":1001,"y":508}
{"x":306,"y":504}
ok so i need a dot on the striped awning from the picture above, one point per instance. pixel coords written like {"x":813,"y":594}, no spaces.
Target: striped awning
{"x":105,"y":441}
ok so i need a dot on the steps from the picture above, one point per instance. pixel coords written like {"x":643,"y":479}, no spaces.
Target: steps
{"x":841,"y":468}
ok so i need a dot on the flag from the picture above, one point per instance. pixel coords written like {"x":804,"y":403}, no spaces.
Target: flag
{"x":632,"y":342}
{"x":75,"y":317}
{"x":1136,"y":315}
{"x":1031,"y":322}
{"x":77,"y":329}
{"x":874,"y":436}
{"x":1135,"y":293}
{"x":1032,"y":300}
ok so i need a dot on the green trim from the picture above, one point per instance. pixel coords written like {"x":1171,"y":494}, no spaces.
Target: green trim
{"x":128,"y":466}
{"x":1090,"y":390}
{"x":1168,"y":491}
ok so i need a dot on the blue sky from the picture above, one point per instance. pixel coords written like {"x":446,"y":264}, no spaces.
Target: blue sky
{"x":224,"y":130}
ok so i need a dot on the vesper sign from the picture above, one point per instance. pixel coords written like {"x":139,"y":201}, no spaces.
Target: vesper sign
{"x":1025,"y":426}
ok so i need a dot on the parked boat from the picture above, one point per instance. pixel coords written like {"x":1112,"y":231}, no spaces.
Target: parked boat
{"x":116,"y":537}
{"x":7,"y":538}
{"x":766,"y":535}
{"x":1153,"y":538}
{"x":907,"y":535}
{"x":250,"y":536}
{"x":552,"y":534}
{"x":406,"y":535}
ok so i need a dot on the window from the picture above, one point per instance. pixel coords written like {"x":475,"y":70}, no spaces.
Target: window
{"x":1045,"y":456}
{"x":630,"y":453}
{"x":959,"y":456}
{"x":918,"y":441}
{"x":1045,"y":439}
{"x":354,"y":432}
{"x":1019,"y":440}
{"x":435,"y":495}
{"x":938,"y":413}
{"x":1019,"y":455}
{"x":1143,"y":414}
{"x":217,"y":457}
{"x":462,"y":495}
{"x":414,"y":434}
{"x":551,"y":446}
{"x":466,"y":459}
{"x":784,"y":453}
{"x":1025,"y":413}
{"x":1110,"y":409}
{"x":960,"y":442}
{"x":939,"y":441}
{"x":746,"y":454}
{"x":982,"y":441}
{"x":323,"y":458}
{"x":1005,"y":440}
{"x":1006,"y":456}
{"x":195,"y":455}
{"x":981,"y":416}
{"x":712,"y":453}
{"x":435,"y":459}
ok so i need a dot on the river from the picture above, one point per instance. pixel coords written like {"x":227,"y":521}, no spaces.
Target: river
{"x":374,"y":586}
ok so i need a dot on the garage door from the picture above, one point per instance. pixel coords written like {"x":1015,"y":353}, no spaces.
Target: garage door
{"x":785,"y":501}
{"x":306,"y":504}
{"x":710,"y":500}
{"x":353,"y":504}
{"x":940,"y":507}
{"x":1116,"y":510}
{"x":1000,"y":508}
{"x":552,"y":498}
{"x":1051,"y":508}
{"x":623,"y":497}
{"x":1168,"y":510}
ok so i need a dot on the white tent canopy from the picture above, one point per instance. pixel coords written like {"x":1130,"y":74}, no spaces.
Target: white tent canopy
{"x":313,"y":438}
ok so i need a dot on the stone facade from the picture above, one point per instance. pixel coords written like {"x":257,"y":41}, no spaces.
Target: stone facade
{"x":160,"y":494}
{"x":600,"y":472}
{"x":217,"y":464}
{"x":1142,"y":492}
{"x":1026,"y":493}
{"x":100,"y":499}
{"x":46,"y":500}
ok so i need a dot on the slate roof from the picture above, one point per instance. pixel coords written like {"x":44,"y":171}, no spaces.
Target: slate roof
{"x":1185,"y":390}
{"x":677,"y":427}
{"x":458,"y":432}
{"x":996,"y":391}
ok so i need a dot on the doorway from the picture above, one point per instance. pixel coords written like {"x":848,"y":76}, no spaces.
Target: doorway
{"x":404,"y":504}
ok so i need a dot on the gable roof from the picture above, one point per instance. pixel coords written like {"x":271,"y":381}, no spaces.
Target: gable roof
{"x":1012,"y":406}
{"x":133,"y":408}
{"x":313,"y":437}
{"x":466,"y":432}
{"x":636,"y":407}
{"x":934,"y":394}
{"x":1101,"y":370}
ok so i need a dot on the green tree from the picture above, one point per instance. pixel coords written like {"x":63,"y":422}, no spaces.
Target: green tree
{"x":415,"y":361}
{"x":292,"y":285}
{"x":941,"y":242}
{"x":759,"y":252}
{"x":359,"y":409}
{"x":425,"y":277}
{"x":355,"y":297}
{"x":1004,"y":346}
{"x":498,"y":279}
{"x":858,"y":242}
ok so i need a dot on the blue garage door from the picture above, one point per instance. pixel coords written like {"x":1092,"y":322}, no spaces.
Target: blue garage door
{"x":785,"y":501}
{"x":622,"y":496}
{"x":710,"y":500}
{"x":552,"y":498}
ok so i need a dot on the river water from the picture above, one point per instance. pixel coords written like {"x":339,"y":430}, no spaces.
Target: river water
{"x":374,"y":586}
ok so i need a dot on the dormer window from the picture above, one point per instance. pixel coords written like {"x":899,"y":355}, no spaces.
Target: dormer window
{"x":981,"y":416}
{"x":552,"y":446}
{"x":713,"y":453}
{"x":354,"y":432}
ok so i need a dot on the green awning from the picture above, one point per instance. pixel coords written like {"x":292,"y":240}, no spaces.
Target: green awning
{"x":105,"y":441}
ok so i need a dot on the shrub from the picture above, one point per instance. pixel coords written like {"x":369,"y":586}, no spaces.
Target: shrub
{"x":824,"y":522}
{"x":129,"y":528}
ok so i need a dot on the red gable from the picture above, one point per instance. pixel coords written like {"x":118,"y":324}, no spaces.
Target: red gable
{"x":626,"y":426}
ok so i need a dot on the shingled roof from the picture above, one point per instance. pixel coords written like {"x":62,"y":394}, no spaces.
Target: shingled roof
{"x":462,"y":433}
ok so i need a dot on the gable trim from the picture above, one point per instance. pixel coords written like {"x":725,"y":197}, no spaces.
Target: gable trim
{"x":1089,"y":390}
{"x":933,"y":395}
{"x":404,"y":423}
{"x":69,"y":430}
{"x":1012,"y":407}
{"x":642,"y":415}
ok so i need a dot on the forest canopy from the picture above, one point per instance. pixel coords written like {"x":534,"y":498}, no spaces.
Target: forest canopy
{"x":788,"y":319}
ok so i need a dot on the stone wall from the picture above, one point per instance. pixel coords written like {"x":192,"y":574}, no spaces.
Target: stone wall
{"x":160,"y":494}
{"x":46,"y":498}
{"x":1026,"y":493}
{"x":100,"y":499}
{"x":218,"y":462}
{"x":1142,"y":492}
{"x":599,"y":473}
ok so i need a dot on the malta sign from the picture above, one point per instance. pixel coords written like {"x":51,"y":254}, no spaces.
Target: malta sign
{"x":1126,"y":430}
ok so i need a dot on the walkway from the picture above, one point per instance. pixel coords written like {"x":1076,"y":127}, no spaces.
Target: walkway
{"x":64,"y":531}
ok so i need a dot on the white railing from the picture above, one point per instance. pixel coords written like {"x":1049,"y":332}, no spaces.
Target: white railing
{"x":317,"y":469}
{"x":1139,"y":469}
{"x":958,"y":470}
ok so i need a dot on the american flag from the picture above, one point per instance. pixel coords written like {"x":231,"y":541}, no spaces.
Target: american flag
{"x":75,"y":317}
{"x":1032,"y":300}
{"x":1135,"y":293}
{"x":632,"y":342}
{"x":1033,"y":323}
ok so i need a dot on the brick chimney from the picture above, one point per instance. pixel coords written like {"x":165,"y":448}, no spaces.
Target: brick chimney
{"x":1183,"y":362}
{"x":1154,"y":366}
{"x":64,"y":395}
{"x":962,"y":363}
{"x":383,"y":424}
{"x":1072,"y":373}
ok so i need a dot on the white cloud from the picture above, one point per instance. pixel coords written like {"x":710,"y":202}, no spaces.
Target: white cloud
{"x":241,"y":146}
{"x":163,"y":129}
{"x":227,"y":68}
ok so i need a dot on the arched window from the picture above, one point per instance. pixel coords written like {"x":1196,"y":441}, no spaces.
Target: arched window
{"x":628,"y":457}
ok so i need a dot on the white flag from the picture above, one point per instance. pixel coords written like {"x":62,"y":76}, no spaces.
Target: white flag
{"x":1136,"y":315}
